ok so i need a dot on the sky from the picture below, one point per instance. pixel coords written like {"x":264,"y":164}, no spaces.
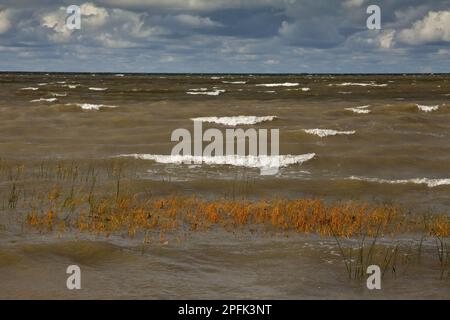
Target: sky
{"x":226,"y":36}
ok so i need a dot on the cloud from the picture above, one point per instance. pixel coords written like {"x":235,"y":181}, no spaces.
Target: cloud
{"x":433,"y":28}
{"x":197,"y":5}
{"x":386,"y":39}
{"x":272,"y":61}
{"x":314,"y":32}
{"x":353,"y":3}
{"x":5,"y":22}
{"x":225,"y":36}
{"x":196,"y":21}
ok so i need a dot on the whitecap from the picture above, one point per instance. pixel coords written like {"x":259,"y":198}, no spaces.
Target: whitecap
{"x":427,"y":108}
{"x":98,"y":89}
{"x":198,"y":89}
{"x":234,"y":82}
{"x":361,"y":110}
{"x":261,"y":162}
{"x":306,"y":89}
{"x":360,"y":84}
{"x":431,"y":183}
{"x":30,"y":88}
{"x":286,"y":84}
{"x":58,"y":94}
{"x":327,"y":132}
{"x":207,"y":93}
{"x":89,"y":106}
{"x":235,"y":121}
{"x":44,"y":100}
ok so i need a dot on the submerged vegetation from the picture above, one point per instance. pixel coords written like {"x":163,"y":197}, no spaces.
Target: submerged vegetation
{"x":74,"y":197}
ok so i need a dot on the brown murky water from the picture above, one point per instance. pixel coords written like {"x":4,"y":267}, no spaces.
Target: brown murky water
{"x":384,"y":139}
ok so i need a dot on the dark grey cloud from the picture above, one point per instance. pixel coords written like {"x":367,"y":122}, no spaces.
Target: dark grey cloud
{"x":226,"y":36}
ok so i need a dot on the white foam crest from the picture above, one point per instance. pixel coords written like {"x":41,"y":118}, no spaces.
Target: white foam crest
{"x":71,"y":86}
{"x":58,"y":94}
{"x":431,"y":183}
{"x":359,"y":84}
{"x":286,"y":84}
{"x":234,"y":82}
{"x":198,"y":89}
{"x":30,"y":88}
{"x":44,"y":100}
{"x":207,"y":93}
{"x":233,"y":160}
{"x":235,"y":121}
{"x":427,"y":108}
{"x":98,"y":89}
{"x":306,"y":89}
{"x":328,"y":132}
{"x":361,"y":109}
{"x":89,"y":106}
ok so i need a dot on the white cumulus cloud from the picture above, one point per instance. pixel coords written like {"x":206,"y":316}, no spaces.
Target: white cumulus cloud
{"x":434,"y":27}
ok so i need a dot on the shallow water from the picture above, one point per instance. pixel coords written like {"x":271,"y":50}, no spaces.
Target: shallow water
{"x":396,"y":153}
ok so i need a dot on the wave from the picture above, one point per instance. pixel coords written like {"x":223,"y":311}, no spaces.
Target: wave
{"x":234,"y":82}
{"x":361,"y":110}
{"x":360,"y":84}
{"x":207,"y":93}
{"x":234,"y":160}
{"x":306,"y":89}
{"x":98,"y":89}
{"x":235,"y":121}
{"x":286,"y":84}
{"x":327,"y":132}
{"x":44,"y":100}
{"x":88,"y":106}
{"x":427,"y":108}
{"x":71,"y":86}
{"x":58,"y":94}
{"x":198,"y":89}
{"x":30,"y":88}
{"x":431,"y":183}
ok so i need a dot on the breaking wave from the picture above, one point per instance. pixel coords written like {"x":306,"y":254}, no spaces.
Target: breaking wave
{"x":44,"y":100}
{"x":286,"y":84}
{"x":233,"y":160}
{"x":431,"y":183}
{"x":207,"y":93}
{"x":361,"y":110}
{"x":359,"y":84}
{"x":427,"y":108}
{"x":235,"y":121}
{"x":327,"y":132}
{"x":88,"y":106}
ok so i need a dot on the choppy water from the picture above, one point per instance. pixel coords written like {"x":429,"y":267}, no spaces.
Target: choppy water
{"x":375,"y":138}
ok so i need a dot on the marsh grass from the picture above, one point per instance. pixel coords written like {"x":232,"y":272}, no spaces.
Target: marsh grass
{"x":104,"y":200}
